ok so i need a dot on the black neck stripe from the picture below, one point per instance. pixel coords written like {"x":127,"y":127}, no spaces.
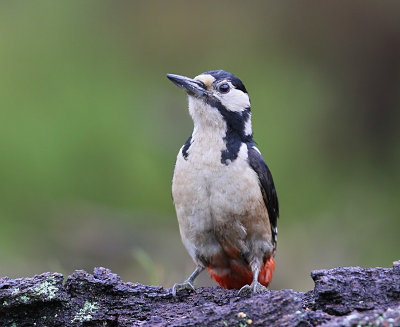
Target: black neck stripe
{"x":235,"y":133}
{"x":186,"y":147}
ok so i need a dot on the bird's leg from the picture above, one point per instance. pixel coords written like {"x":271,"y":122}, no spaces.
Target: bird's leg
{"x":255,"y":286}
{"x":187,"y":284}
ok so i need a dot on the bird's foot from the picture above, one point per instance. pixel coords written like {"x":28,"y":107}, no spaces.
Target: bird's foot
{"x":186,"y":285}
{"x":254,"y":287}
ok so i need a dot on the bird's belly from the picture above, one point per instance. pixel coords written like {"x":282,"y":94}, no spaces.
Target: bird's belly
{"x":217,"y":207}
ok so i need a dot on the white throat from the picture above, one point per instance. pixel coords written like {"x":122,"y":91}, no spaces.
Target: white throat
{"x":206,"y":117}
{"x":208,"y":133}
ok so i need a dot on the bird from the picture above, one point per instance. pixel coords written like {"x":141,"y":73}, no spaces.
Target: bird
{"x":223,"y":191}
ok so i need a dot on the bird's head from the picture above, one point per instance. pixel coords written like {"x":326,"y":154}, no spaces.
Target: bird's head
{"x":217,"y":99}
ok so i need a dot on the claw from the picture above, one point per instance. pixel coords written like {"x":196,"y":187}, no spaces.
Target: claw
{"x":186,"y":285}
{"x":254,"y":287}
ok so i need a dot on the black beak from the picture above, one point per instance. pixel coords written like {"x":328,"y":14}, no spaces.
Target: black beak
{"x":191,"y":86}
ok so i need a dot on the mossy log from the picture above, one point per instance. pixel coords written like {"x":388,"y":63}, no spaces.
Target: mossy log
{"x":351,"y":296}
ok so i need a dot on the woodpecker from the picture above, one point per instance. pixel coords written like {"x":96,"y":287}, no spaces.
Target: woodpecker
{"x":223,"y":191}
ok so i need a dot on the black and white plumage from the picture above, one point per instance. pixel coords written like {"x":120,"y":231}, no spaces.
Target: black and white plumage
{"x":223,"y":191}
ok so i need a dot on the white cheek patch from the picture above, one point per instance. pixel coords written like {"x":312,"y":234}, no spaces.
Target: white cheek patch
{"x":235,"y":100}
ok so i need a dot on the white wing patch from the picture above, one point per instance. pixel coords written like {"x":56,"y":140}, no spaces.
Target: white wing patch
{"x":255,"y":148}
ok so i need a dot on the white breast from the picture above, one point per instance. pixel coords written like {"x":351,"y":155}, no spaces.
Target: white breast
{"x":208,"y":193}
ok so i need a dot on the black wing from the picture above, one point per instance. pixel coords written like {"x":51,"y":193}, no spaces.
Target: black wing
{"x":268,"y":190}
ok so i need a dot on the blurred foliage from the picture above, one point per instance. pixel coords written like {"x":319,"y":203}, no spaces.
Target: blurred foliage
{"x":153,"y":271}
{"x":90,"y":127}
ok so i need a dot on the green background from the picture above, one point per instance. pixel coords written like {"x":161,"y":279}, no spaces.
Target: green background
{"x":90,"y":128}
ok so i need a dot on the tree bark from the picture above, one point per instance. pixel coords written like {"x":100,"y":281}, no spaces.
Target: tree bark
{"x":349,"y":296}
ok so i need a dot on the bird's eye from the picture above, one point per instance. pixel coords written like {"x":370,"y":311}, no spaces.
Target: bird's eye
{"x":224,"y":88}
